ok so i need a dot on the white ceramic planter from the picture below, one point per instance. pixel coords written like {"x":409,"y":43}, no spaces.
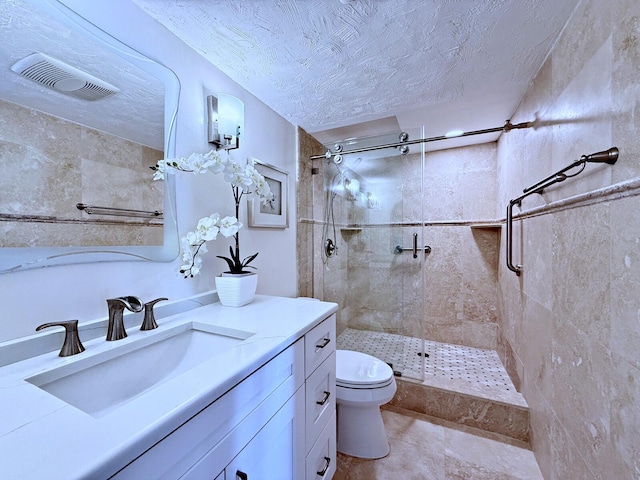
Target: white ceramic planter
{"x":236,"y":290}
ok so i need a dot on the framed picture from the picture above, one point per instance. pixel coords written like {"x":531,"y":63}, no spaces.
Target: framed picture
{"x":275,"y":214}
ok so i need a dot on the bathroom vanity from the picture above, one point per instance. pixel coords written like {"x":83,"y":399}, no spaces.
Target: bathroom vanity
{"x":213,"y":393}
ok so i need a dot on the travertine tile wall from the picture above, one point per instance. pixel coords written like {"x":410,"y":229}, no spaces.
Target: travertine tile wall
{"x":318,"y":277}
{"x":385,"y":288}
{"x":331,"y":275}
{"x":461,"y":272}
{"x":570,"y":325}
{"x":307,"y":146}
{"x":50,"y":164}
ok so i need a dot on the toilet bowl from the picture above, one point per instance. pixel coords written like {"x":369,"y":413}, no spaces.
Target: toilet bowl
{"x":363,"y":383}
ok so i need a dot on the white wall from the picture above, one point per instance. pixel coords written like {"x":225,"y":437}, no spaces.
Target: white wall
{"x":79,"y":291}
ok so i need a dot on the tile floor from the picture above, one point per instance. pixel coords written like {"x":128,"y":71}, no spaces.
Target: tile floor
{"x":424,"y":450}
{"x":467,"y":370}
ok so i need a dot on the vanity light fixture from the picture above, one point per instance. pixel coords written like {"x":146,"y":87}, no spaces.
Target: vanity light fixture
{"x":226,"y":121}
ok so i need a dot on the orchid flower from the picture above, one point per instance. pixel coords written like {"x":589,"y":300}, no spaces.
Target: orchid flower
{"x":244,"y":179}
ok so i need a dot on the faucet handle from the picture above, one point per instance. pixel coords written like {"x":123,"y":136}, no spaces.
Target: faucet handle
{"x":149,"y":322}
{"x":72,"y":344}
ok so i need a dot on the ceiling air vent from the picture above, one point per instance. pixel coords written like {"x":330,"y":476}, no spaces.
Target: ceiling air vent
{"x":62,"y":77}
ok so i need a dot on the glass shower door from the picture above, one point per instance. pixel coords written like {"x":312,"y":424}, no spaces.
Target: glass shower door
{"x":374,"y":250}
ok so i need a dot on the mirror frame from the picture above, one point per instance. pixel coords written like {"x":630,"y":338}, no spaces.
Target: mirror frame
{"x":17,"y":259}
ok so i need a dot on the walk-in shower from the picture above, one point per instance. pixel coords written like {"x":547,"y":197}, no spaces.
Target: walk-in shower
{"x":374,"y":248}
{"x":407,"y":244}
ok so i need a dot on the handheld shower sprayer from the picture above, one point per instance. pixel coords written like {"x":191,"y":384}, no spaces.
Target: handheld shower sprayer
{"x":606,"y":156}
{"x":609,"y":156}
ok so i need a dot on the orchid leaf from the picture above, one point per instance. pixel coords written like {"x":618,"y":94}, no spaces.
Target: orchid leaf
{"x":248,"y":260}
{"x":228,"y":260}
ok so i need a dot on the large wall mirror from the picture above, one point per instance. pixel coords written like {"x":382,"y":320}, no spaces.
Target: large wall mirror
{"x":82,"y":118}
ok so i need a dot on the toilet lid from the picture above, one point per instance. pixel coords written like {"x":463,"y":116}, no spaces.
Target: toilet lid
{"x":355,"y":368}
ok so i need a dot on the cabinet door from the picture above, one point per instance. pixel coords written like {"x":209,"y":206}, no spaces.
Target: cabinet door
{"x":320,"y":398}
{"x":277,"y":451}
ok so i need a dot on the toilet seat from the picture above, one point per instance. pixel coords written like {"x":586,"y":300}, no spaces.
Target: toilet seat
{"x":365,"y":386}
{"x":356,"y":370}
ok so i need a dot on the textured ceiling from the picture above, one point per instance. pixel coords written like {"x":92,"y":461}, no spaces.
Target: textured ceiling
{"x":25,"y":29}
{"x":329,"y":64}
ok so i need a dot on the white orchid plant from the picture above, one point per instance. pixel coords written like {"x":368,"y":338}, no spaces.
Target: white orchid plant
{"x":244,"y":179}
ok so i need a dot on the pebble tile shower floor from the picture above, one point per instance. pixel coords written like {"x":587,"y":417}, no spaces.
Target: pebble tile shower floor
{"x":467,"y":370}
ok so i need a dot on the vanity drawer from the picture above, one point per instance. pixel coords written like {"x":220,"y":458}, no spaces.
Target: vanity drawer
{"x":320,"y":399}
{"x":319,"y":343}
{"x":322,"y":459}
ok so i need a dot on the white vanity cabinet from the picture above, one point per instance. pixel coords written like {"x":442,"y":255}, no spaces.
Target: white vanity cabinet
{"x":277,"y":424}
{"x":320,"y":401}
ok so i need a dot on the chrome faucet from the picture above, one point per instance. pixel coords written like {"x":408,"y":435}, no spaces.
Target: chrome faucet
{"x":115,"y":330}
{"x":72,"y":344}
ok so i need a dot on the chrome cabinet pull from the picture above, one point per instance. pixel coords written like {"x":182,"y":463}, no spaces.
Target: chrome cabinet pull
{"x":327,"y":462}
{"x":241,"y":475}
{"x":324,"y":343}
{"x":325,"y":398}
{"x":415,"y":245}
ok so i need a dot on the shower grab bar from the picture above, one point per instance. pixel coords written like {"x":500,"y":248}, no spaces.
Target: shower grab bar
{"x":606,"y":156}
{"x":117,"y":212}
{"x":414,"y":248}
{"x":517,"y":269}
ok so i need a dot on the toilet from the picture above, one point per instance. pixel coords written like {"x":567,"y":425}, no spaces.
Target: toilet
{"x":363,"y":383}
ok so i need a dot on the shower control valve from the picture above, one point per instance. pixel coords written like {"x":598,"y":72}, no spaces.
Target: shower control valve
{"x":330,"y":248}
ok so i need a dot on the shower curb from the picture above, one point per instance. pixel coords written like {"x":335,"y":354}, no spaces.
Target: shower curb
{"x":497,"y":417}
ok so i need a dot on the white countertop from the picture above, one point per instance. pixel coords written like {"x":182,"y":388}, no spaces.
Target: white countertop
{"x":42,"y":437}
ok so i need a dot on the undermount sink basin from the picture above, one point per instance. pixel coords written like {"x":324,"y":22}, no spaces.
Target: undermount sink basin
{"x":100,"y":384}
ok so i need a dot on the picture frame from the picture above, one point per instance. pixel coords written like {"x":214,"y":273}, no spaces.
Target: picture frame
{"x":275,"y":214}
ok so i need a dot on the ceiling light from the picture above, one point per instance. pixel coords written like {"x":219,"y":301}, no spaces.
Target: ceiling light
{"x":454,"y":133}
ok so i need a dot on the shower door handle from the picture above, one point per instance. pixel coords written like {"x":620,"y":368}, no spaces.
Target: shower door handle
{"x":414,"y":249}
